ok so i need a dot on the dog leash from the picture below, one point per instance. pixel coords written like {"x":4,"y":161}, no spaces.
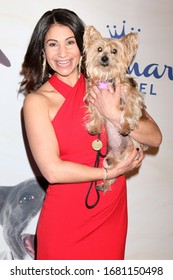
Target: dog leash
{"x":94,"y":183}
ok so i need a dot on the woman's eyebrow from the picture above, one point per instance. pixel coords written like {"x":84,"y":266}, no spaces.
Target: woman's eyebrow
{"x":57,"y":40}
{"x":51,"y":40}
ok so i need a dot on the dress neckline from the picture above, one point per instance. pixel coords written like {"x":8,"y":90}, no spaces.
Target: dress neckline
{"x":61,"y":86}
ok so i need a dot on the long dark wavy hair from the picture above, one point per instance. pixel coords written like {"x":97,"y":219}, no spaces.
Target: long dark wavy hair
{"x":33,"y":60}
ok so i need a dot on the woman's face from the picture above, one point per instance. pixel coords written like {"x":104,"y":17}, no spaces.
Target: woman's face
{"x":62,"y":52}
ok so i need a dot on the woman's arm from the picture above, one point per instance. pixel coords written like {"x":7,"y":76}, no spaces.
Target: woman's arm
{"x":147,"y":132}
{"x":108,"y":102}
{"x":45,"y":149}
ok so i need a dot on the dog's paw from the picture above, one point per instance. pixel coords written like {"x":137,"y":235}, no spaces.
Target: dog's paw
{"x":109,"y":161}
{"x":104,"y":186}
{"x":93,"y":128}
{"x":126,"y":127}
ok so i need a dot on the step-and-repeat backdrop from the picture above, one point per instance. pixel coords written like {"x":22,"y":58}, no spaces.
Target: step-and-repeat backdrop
{"x":150,"y":191}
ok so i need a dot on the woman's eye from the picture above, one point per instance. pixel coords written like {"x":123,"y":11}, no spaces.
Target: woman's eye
{"x":72,"y":42}
{"x":52,"y":44}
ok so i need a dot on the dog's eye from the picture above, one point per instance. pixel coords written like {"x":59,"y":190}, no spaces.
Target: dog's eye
{"x":99,"y":49}
{"x":114,"y":51}
{"x":26,"y":197}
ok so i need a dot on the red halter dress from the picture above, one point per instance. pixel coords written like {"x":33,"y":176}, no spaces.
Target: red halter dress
{"x":67,"y":228}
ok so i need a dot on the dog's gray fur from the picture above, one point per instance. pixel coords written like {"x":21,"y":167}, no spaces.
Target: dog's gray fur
{"x":19,"y":205}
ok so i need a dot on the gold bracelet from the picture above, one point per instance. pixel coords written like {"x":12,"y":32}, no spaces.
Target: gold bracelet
{"x":105,"y":174}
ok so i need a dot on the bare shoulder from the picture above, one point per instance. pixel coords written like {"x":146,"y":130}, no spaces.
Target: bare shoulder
{"x":38,"y":99}
{"x":34,"y":97}
{"x":35,"y":109}
{"x":46,"y":100}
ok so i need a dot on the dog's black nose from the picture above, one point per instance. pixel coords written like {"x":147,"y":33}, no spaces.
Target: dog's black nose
{"x":104,"y":60}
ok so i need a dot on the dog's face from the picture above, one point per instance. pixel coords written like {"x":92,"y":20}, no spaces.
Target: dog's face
{"x":107,"y":58}
{"x":20,"y":206}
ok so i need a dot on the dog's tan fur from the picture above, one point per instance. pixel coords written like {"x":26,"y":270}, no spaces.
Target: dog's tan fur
{"x":107,"y":61}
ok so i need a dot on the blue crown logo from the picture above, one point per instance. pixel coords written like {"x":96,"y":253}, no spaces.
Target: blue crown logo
{"x":123,"y":31}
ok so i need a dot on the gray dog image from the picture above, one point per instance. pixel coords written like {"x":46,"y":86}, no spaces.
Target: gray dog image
{"x":19,"y":211}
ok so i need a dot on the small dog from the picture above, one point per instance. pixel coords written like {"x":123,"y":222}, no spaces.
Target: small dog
{"x":20,"y":206}
{"x":107,"y":61}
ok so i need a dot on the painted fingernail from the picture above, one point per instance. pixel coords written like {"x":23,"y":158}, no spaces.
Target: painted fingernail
{"x":137,"y":149}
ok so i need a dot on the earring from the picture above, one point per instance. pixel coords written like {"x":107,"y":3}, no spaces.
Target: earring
{"x":43,"y":67}
{"x":79,"y":66}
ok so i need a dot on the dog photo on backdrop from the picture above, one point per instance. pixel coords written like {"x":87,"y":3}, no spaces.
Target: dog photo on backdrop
{"x":4,"y":60}
{"x":20,"y":206}
{"x":19,"y":211}
{"x":107,"y":61}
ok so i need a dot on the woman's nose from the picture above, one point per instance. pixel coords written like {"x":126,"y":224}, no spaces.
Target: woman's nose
{"x":62,"y":51}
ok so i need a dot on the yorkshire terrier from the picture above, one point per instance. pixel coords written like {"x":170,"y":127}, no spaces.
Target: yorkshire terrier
{"x":107,"y":61}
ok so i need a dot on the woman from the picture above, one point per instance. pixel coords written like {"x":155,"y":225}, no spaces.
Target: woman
{"x":76,"y":221}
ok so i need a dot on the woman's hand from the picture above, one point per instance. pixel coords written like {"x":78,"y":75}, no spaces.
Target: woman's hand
{"x":133,"y":162}
{"x":107,"y":102}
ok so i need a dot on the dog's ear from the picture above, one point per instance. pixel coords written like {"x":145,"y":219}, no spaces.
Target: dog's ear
{"x":4,"y":60}
{"x":90,"y":35}
{"x":130,"y":42}
{"x":4,"y":192}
